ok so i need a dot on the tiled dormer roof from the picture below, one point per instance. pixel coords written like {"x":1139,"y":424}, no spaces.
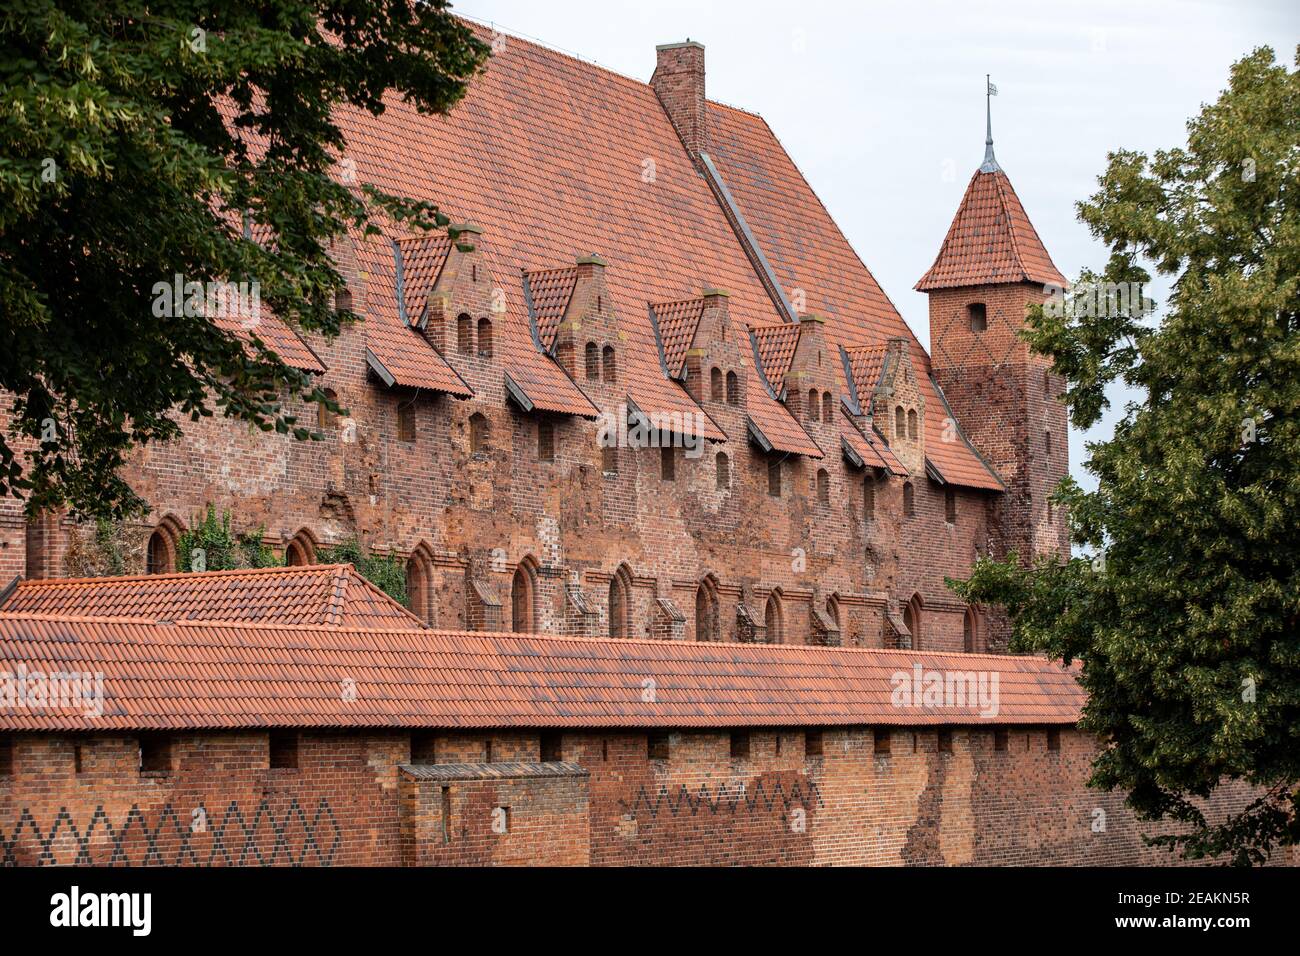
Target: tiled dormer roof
{"x":866,"y":364}
{"x":422,"y":260}
{"x":324,"y":595}
{"x":776,"y":345}
{"x":991,"y":240}
{"x":550,"y":291}
{"x":677,"y":323}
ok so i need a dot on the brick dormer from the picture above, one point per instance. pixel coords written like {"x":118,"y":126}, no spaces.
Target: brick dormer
{"x":588,"y":342}
{"x":898,"y":406}
{"x":812,"y":381}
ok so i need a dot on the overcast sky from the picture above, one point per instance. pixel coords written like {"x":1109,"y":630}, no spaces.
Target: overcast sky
{"x":882,"y":104}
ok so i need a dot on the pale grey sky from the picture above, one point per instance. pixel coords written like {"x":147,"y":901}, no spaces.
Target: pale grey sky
{"x":882,"y":104}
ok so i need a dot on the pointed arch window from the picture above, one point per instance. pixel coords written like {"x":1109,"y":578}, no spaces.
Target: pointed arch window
{"x":733,"y":389}
{"x":912,"y":620}
{"x":774,"y":619}
{"x":523,"y":597}
{"x":909,"y":500}
{"x":419,"y":584}
{"x":970,"y":631}
{"x":706,"y":611}
{"x":620,"y":603}
{"x":715,"y":384}
{"x":301,"y":551}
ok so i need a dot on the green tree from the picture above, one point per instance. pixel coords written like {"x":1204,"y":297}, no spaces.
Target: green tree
{"x":1184,"y":611}
{"x":137,"y":140}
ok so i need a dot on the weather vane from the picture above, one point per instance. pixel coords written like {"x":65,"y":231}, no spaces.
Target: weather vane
{"x":990,"y":162}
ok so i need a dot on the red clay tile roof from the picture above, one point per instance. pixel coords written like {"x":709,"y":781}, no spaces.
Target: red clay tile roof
{"x":275,"y":335}
{"x":401,"y":350}
{"x":677,"y":324}
{"x":867,"y":363}
{"x":864,"y":449}
{"x":797,"y":235}
{"x":211,"y":675}
{"x":947,"y":449}
{"x":991,"y":240}
{"x":776,"y":346}
{"x":551,"y":290}
{"x":422,"y":260}
{"x":332,"y":595}
{"x":776,"y":423}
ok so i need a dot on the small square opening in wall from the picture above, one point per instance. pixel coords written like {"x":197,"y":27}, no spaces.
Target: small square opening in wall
{"x":552,"y":750}
{"x":1053,"y":738}
{"x":6,"y":757}
{"x":739,"y":745}
{"x":882,"y":739}
{"x":945,"y":741}
{"x":1001,"y":739}
{"x":813,"y":743}
{"x":977,"y":317}
{"x":155,"y":753}
{"x":424,"y":747}
{"x":657,"y":746}
{"x":282,"y":750}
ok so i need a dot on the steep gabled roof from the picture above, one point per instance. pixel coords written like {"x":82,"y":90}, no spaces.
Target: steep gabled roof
{"x":866,"y":364}
{"x":677,"y":322}
{"x":326,"y":595}
{"x":550,"y":291}
{"x":991,"y":240}
{"x":422,"y":260}
{"x":173,"y":676}
{"x":776,"y":345}
{"x":275,"y":335}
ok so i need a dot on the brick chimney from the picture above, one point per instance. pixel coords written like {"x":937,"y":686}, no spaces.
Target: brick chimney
{"x":678,"y":81}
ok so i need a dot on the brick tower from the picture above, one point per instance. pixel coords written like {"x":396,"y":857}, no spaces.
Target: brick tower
{"x":991,"y":269}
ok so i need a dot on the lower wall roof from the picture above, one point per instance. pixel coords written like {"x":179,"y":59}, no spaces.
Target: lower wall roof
{"x":201,"y":675}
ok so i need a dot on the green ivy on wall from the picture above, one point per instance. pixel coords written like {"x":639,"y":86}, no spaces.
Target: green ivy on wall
{"x":385,"y":572}
{"x":211,"y":545}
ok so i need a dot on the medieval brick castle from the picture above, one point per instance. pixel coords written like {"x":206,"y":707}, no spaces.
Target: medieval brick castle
{"x":676,"y":489}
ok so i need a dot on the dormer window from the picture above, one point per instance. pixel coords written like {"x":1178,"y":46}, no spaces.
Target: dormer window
{"x":977,"y":317}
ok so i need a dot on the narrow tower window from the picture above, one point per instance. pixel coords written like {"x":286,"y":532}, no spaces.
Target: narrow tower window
{"x":977,"y":317}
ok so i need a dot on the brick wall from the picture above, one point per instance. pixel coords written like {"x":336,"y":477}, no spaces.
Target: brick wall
{"x":969,"y":796}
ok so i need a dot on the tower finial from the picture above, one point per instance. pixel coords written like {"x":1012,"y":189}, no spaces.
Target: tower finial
{"x":990,"y":161}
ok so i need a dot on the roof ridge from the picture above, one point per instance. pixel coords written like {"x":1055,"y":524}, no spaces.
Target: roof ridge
{"x":744,"y":647}
{"x":169,"y":575}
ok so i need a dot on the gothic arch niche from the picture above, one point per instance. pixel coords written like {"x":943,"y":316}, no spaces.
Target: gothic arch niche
{"x":301,"y":550}
{"x":419,"y":582}
{"x":485,"y":338}
{"x":774,"y":618}
{"x":970,"y":631}
{"x":608,"y":365}
{"x":715,"y":384}
{"x":912,"y":618}
{"x":620,"y":602}
{"x":523,"y":597}
{"x":813,"y":405}
{"x":833,"y":610}
{"x":828,"y":407}
{"x":591,"y":358}
{"x":706,"y":610}
{"x":161,"y":553}
{"x":464,"y":334}
{"x":913,"y":433}
{"x":733,"y":389}
{"x":900,"y":423}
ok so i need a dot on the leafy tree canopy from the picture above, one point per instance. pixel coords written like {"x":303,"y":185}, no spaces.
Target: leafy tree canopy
{"x":140,"y":141}
{"x":1184,"y":612}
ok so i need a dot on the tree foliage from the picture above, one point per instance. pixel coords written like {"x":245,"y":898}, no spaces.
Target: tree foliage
{"x":140,"y":141}
{"x":1184,"y":611}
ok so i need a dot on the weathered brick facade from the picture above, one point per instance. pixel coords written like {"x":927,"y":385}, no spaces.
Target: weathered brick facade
{"x":357,"y":799}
